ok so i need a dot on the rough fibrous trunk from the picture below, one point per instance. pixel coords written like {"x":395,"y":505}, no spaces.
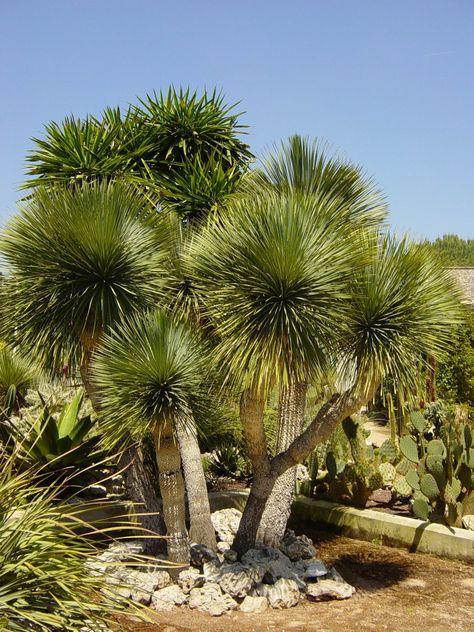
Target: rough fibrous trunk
{"x":201,"y":530}
{"x":252,"y":405}
{"x":172,"y":492}
{"x":137,"y":480}
{"x":290,"y":425}
{"x":266,"y":471}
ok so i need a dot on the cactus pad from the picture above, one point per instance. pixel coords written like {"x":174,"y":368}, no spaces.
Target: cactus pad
{"x":418,"y":421}
{"x":436,"y":447}
{"x":388,"y":451}
{"x":452,"y":490}
{"x":467,"y":437}
{"x":421,"y":508}
{"x":401,"y":487}
{"x":435,"y":466}
{"x":388,"y":472}
{"x":413,"y":479}
{"x":375,"y":481}
{"x":469,"y":457}
{"x":409,"y":449}
{"x":403,"y":467}
{"x":429,"y":486}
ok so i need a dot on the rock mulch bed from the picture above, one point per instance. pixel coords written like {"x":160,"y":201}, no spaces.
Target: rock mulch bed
{"x":217,"y":583}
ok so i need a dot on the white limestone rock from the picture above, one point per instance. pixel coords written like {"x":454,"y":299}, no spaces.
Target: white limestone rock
{"x":325,"y":589}
{"x":254,"y":605}
{"x":226,"y":523}
{"x":468,"y":521}
{"x":210,"y":599}
{"x":283,"y":594}
{"x":167,"y":598}
{"x":234,"y":580}
{"x":190,"y":578}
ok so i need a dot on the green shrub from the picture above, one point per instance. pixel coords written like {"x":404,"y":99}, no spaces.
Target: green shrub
{"x":43,"y":583}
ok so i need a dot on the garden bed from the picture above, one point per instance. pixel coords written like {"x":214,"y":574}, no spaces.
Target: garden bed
{"x":367,"y":524}
{"x":395,"y":591}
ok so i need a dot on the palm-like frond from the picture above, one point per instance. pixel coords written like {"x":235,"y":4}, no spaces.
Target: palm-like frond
{"x":402,"y":308}
{"x":17,"y":374}
{"x":43,"y":581}
{"x":300,"y":165}
{"x":78,"y":261}
{"x":274,"y":280}
{"x":184,"y":125}
{"x":147,"y":370}
{"x":197,"y":188}
{"x":141,"y":144}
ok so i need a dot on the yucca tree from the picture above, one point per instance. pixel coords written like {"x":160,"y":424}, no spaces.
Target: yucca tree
{"x":79,"y":262}
{"x":292,"y":300}
{"x":300,"y":166}
{"x":148,"y":370}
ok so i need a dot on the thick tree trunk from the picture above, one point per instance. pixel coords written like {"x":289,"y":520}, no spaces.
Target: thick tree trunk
{"x":136,"y":480}
{"x":265,"y":471}
{"x":147,"y":508}
{"x":251,"y":415}
{"x":260,"y":491}
{"x":290,"y":425}
{"x":201,"y":529}
{"x":172,"y":492}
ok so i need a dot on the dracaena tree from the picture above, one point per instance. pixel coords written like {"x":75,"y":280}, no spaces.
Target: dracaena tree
{"x":292,"y":300}
{"x":176,"y":148}
{"x":148,"y":370}
{"x":79,"y":262}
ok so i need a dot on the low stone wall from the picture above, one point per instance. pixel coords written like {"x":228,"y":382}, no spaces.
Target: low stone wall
{"x":366,"y":524}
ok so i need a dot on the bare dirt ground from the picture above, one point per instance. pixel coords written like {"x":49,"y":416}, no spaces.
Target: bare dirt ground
{"x":396,"y":591}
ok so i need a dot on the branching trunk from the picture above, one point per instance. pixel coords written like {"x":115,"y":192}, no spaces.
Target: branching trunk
{"x":201,"y":529}
{"x":265,"y":471}
{"x":137,"y":481}
{"x":172,"y":493}
{"x":290,"y":425}
{"x":251,"y":416}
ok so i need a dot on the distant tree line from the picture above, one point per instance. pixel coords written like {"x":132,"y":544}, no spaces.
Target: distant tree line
{"x":453,"y":250}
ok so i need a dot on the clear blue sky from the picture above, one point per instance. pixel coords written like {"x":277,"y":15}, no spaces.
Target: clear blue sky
{"x":388,"y":83}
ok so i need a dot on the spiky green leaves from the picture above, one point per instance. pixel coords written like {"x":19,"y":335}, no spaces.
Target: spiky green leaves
{"x":274,"y":281}
{"x":302,"y":166}
{"x":17,"y":375}
{"x":147,"y":370}
{"x":403,"y":304}
{"x":79,"y":261}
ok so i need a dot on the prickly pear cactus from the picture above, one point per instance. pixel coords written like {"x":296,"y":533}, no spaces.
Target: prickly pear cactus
{"x":409,"y":449}
{"x":421,"y":508}
{"x":418,"y":420}
{"x":402,"y":488}
{"x":388,"y":472}
{"x":388,"y":451}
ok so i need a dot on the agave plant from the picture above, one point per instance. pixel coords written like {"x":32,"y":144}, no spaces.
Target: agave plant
{"x":60,"y":444}
{"x":147,"y":371}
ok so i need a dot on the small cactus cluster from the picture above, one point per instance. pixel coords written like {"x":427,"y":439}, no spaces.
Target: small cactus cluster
{"x":437,"y":474}
{"x":353,"y":469}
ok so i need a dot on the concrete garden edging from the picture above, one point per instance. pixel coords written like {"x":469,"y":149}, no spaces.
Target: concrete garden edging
{"x":366,"y":524}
